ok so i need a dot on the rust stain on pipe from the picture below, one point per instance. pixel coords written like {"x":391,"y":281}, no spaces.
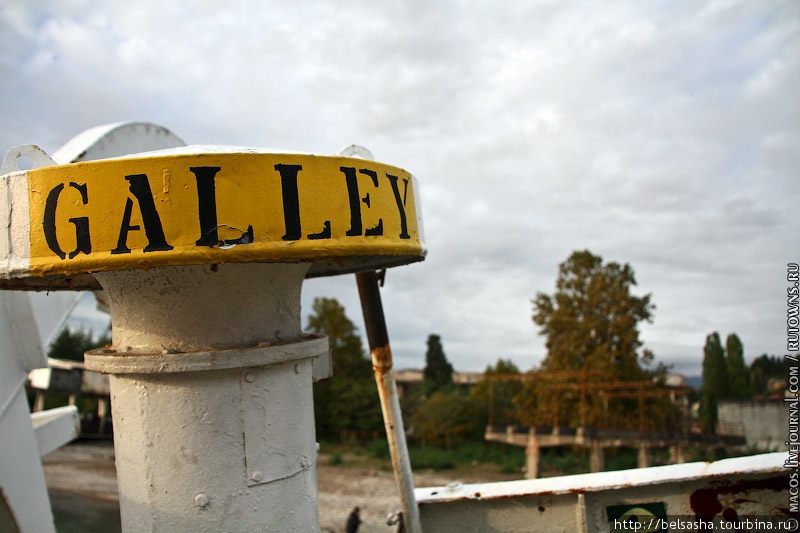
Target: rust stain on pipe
{"x":381,"y":359}
{"x":381,"y":355}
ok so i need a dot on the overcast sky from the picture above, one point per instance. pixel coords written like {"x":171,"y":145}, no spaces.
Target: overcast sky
{"x":665,"y":135}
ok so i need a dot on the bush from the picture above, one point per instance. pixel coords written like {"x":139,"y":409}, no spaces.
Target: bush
{"x":448,"y":419}
{"x":434,"y":458}
{"x":378,"y":449}
{"x":508,"y":458}
{"x":565,"y":460}
{"x":335,"y":459}
{"x":508,"y":468}
{"x":621,"y":459}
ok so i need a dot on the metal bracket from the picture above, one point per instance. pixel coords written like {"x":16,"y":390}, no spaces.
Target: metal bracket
{"x":14,"y":154}
{"x":111,"y":361}
{"x":55,"y":427}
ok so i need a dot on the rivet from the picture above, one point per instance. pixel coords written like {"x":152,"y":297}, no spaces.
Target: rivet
{"x":201,"y":499}
{"x":256,"y":476}
{"x":249,"y":377}
{"x":297,"y":368}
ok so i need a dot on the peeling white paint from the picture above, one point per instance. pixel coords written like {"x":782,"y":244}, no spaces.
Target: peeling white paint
{"x":14,"y":240}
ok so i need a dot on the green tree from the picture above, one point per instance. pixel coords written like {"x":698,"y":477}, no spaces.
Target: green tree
{"x":738,"y":373}
{"x":498,"y":394}
{"x":502,"y":366}
{"x":438,"y":371}
{"x":656,"y":373}
{"x":448,"y":418}
{"x":591,"y":322}
{"x":71,"y":345}
{"x":347,"y":351}
{"x":347,"y":404}
{"x":766,"y":367}
{"x":715,"y":381}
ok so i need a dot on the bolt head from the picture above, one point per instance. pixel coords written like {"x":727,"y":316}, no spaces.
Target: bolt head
{"x":201,"y":499}
{"x":257,"y":476}
{"x":249,"y":377}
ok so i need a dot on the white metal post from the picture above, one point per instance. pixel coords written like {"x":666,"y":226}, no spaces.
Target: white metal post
{"x":211,"y":398}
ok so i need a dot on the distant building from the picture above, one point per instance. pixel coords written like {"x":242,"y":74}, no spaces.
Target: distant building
{"x":467,"y":379}
{"x":71,"y":380}
{"x":776,"y":385}
{"x":675,"y":380}
{"x":763,"y":422}
{"x":409,"y":377}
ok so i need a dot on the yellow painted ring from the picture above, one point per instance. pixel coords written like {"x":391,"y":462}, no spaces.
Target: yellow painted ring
{"x":341,"y":214}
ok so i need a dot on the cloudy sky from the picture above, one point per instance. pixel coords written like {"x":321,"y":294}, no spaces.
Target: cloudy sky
{"x":661,"y":134}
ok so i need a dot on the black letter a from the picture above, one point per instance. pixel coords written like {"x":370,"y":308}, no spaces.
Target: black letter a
{"x":156,"y":242}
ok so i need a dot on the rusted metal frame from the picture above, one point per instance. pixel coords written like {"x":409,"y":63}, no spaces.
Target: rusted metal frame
{"x":583,"y":386}
{"x":381,"y":354}
{"x":610,"y":385}
{"x":642,"y":393}
{"x":541,"y":374}
{"x":649,"y":393}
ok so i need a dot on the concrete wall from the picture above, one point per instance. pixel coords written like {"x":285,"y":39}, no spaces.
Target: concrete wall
{"x":763,"y":422}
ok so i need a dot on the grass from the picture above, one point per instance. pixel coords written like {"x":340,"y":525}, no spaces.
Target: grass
{"x":500,"y":458}
{"x":565,"y":460}
{"x":436,"y":459}
{"x":375,"y":454}
{"x":507,"y":459}
{"x":621,"y":459}
{"x":335,"y":459}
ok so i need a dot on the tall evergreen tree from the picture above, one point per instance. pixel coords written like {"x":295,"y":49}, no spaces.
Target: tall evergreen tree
{"x":738,"y":373}
{"x":71,"y":345}
{"x":715,"y":381}
{"x":438,"y":371}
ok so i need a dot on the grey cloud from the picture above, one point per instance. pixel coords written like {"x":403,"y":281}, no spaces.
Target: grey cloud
{"x":664,"y":135}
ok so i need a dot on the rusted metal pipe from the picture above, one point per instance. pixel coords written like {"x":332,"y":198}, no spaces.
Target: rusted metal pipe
{"x":381,"y":355}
